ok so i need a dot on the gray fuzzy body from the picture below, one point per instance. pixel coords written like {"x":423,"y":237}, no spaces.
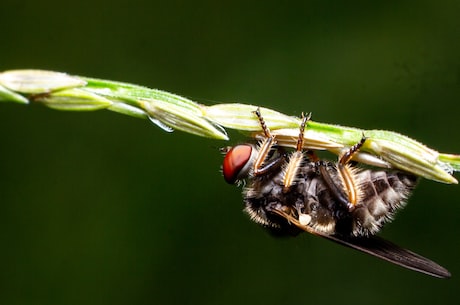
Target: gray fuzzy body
{"x":380,"y":194}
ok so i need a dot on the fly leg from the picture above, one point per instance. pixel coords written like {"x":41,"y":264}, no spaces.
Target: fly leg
{"x":296,"y":158}
{"x":294,"y":215}
{"x":347,"y":175}
{"x":346,"y":195}
{"x":263,"y":163}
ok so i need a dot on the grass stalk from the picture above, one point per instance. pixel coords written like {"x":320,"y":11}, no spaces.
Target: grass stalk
{"x":170,"y":111}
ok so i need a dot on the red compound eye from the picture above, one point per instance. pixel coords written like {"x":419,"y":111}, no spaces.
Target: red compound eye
{"x":235,"y":161}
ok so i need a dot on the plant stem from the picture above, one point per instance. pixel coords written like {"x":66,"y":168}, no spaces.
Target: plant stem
{"x":169,"y":111}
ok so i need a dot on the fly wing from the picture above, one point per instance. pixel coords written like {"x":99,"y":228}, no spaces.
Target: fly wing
{"x":377,"y":247}
{"x":390,"y":252}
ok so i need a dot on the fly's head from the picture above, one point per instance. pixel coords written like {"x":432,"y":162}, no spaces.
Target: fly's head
{"x":252,"y":162}
{"x":238,"y":162}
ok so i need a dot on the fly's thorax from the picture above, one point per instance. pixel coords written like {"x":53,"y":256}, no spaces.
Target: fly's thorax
{"x":267,"y":193}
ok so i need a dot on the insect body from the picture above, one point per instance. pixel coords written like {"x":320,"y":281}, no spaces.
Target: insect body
{"x":289,"y":193}
{"x":311,"y":202}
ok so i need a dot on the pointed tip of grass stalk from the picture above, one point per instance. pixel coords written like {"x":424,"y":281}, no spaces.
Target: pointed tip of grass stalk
{"x":38,"y":81}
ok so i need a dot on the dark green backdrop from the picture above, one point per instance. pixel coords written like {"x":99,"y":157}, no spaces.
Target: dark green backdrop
{"x":99,"y":208}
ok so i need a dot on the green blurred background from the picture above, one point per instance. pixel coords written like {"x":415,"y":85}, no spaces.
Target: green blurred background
{"x":99,"y":208}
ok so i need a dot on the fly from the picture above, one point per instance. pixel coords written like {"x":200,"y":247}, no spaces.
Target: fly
{"x":295,"y":192}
